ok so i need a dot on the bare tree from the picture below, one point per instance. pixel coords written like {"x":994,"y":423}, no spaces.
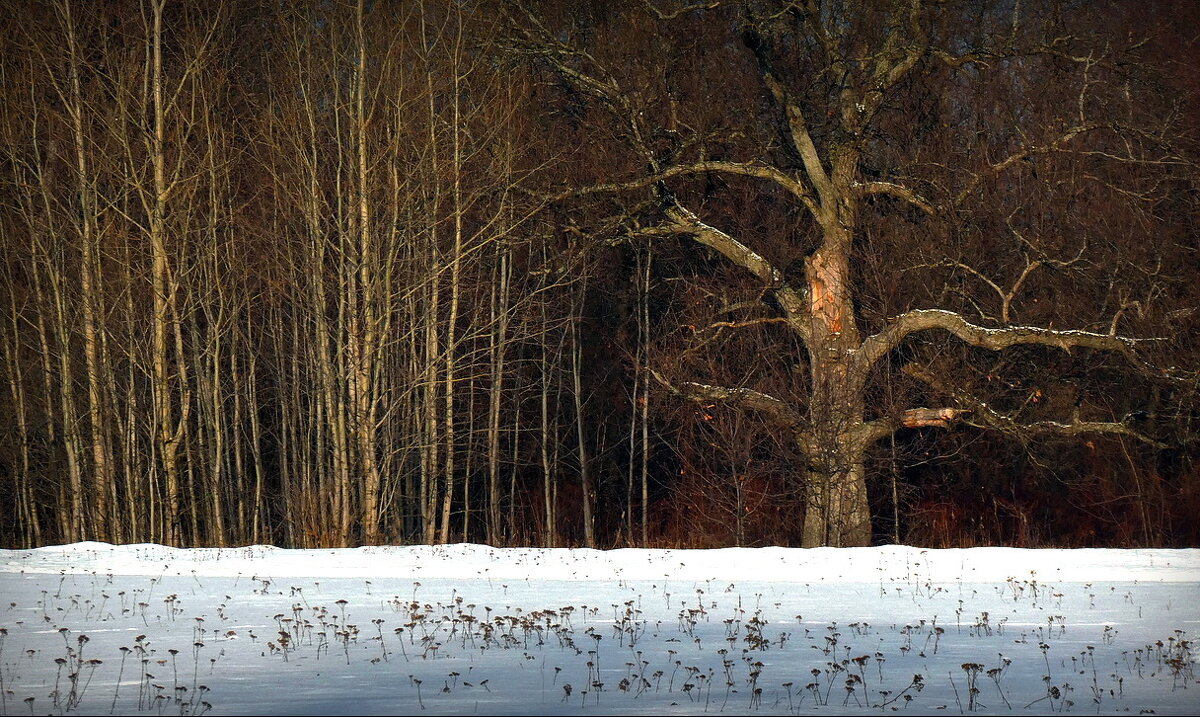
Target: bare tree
{"x":836,"y":142}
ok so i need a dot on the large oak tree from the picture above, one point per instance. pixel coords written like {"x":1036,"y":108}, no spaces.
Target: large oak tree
{"x":882,"y":176}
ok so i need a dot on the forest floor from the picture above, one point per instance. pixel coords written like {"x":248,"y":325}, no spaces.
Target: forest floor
{"x":92,"y":628}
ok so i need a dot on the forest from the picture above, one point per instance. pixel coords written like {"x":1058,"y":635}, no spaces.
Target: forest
{"x":658,"y":273}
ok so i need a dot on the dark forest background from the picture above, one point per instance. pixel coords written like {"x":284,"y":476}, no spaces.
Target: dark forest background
{"x":334,"y":273}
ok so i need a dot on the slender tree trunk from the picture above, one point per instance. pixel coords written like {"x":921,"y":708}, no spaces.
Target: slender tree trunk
{"x":44,"y":355}
{"x":168,"y":430}
{"x":455,"y":290}
{"x":364,"y":322}
{"x":515,"y":466}
{"x":140,"y":485}
{"x":497,"y":351}
{"x":643,"y":330}
{"x":549,"y":499}
{"x":585,"y":483}
{"x":90,"y":298}
{"x":216,"y":471}
{"x":432,"y":465}
{"x":241,"y":395}
{"x":252,"y":379}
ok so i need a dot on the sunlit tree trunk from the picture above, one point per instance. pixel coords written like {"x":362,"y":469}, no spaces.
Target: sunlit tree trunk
{"x":364,"y":322}
{"x":498,"y":340}
{"x":644,"y":403}
{"x":169,"y":430}
{"x":258,"y":523}
{"x":585,"y":482}
{"x":549,"y":435}
{"x":455,"y":288}
{"x":103,"y":485}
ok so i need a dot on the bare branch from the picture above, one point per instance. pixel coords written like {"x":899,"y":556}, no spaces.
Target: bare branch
{"x":710,"y":333}
{"x":1055,"y":145}
{"x":802,"y":140}
{"x":1031,"y":265}
{"x":1006,"y":297}
{"x":967,"y":58}
{"x":872,"y":431}
{"x":950,"y":263}
{"x":878,"y":345}
{"x":742,"y":305}
{"x":991,"y":418}
{"x":540,"y":42}
{"x":896,"y":190}
{"x":773,"y":407}
{"x":685,"y":221}
{"x":891,"y":64}
{"x":746,"y":169}
{"x":744,"y":324}
{"x":662,"y":15}
{"x":794,"y":306}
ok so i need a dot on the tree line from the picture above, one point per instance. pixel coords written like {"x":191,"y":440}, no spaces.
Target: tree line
{"x":634,"y":273}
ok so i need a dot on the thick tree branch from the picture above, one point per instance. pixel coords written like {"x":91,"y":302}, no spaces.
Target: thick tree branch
{"x":891,"y":64}
{"x":745,"y":169}
{"x":773,"y":407}
{"x":798,"y":132}
{"x":878,"y":345}
{"x":792,"y":301}
{"x":802,"y":139}
{"x":683,"y":221}
{"x":967,"y":58}
{"x":743,"y":324}
{"x":991,"y":418}
{"x":664,"y":15}
{"x":872,"y":431}
{"x":899,"y":191}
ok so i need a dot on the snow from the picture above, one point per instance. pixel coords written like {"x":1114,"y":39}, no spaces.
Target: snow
{"x":464,"y":629}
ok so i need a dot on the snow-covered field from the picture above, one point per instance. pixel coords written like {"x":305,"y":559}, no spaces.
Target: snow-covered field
{"x":93,"y":628}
